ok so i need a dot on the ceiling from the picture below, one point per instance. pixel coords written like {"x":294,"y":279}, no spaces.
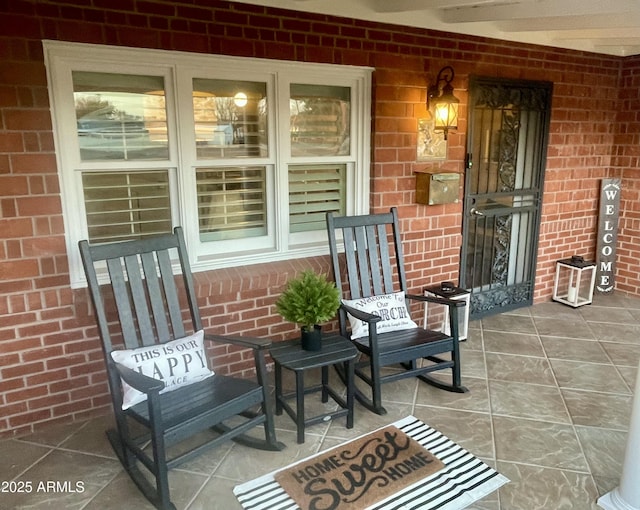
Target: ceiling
{"x":609,"y":27}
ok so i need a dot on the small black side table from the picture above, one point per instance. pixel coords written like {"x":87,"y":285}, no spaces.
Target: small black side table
{"x":290,"y":355}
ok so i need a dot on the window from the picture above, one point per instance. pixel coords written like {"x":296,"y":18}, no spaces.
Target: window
{"x":243,"y":153}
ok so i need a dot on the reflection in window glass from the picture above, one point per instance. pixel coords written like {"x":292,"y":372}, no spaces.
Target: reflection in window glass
{"x":126,"y":205}
{"x":319,"y":120}
{"x":230,"y":118}
{"x":120,"y":117}
{"x":231,"y":202}
{"x":315,"y":190}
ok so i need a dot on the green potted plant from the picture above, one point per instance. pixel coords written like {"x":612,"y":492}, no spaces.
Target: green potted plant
{"x":309,"y":300}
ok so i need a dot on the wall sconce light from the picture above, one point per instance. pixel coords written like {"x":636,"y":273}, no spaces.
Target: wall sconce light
{"x":442,"y":103}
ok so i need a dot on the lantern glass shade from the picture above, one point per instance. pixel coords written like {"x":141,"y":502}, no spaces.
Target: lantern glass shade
{"x":445,"y":116}
{"x":442,"y":103}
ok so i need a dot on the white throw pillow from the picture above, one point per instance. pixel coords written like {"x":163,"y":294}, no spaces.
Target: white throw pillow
{"x":177,"y":363}
{"x":391,"y":308}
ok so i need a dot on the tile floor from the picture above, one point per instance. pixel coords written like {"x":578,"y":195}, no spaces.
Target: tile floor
{"x":549,"y":404}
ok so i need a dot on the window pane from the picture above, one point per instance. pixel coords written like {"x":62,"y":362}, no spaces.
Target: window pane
{"x":231,"y":202}
{"x":315,"y":190}
{"x":319,"y":120}
{"x":230,"y":118}
{"x":120,"y":117}
{"x":126,"y":205}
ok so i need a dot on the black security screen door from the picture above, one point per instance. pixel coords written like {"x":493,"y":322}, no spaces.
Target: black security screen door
{"x":508,"y":130}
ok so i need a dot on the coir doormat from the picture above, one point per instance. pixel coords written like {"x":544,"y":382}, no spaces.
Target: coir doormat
{"x":407,"y":465}
{"x":360,"y":472}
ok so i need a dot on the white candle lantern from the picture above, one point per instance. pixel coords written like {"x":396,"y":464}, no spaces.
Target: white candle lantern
{"x":574,"y":282}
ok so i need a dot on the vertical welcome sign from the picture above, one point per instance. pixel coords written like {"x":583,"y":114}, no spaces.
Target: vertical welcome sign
{"x":607,"y":235}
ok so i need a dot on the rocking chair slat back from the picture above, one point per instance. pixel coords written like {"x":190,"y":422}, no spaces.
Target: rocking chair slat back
{"x":159,"y":313}
{"x":374,"y":266}
{"x":145,"y":292}
{"x":139,"y":299}
{"x":123,"y":303}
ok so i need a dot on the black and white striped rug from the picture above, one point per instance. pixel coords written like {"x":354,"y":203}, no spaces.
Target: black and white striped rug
{"x":463,"y":480}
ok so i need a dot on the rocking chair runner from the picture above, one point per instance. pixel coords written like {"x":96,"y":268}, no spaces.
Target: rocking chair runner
{"x":374,"y":268}
{"x":148,"y":300}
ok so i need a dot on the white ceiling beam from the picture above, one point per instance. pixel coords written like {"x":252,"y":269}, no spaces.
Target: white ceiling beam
{"x":620,"y":41}
{"x":629,"y":20}
{"x":547,"y":8}
{"x":621,"y":51}
{"x":389,"y":6}
{"x":623,"y":33}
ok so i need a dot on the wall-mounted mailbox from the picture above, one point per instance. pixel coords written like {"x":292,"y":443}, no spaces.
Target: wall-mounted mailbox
{"x":437,"y":188}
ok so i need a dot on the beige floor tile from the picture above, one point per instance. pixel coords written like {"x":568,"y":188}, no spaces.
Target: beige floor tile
{"x":19,"y":456}
{"x":508,"y":323}
{"x":470,"y":430}
{"x":595,"y":409}
{"x":472,"y":364}
{"x":614,"y":300}
{"x":604,"y":450}
{"x":563,"y":327}
{"x":512,"y":343}
{"x":622,"y":354}
{"x":623,"y":333}
{"x":122,"y":494}
{"x":92,"y":437}
{"x":63,"y":479}
{"x":629,"y":376}
{"x":366,"y":421}
{"x":476,"y":399}
{"x":596,"y":313}
{"x":216,"y":493}
{"x":538,"y":443}
{"x":630,"y":302}
{"x":556,"y":310}
{"x":606,"y":484}
{"x":535,"y":487}
{"x":55,"y":434}
{"x":532,"y":401}
{"x":524,"y":369}
{"x":243,"y":463}
{"x":474,"y":339}
{"x":573,"y":349}
{"x":579,"y":375}
{"x":207,"y":463}
{"x":490,"y":502}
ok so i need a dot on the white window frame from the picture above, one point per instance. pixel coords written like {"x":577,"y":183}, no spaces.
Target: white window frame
{"x":178,"y":70}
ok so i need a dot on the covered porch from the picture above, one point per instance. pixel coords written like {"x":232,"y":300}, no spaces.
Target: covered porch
{"x":549,"y":406}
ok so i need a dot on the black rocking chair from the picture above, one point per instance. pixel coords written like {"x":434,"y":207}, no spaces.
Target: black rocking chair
{"x":372,"y":267}
{"x":151,"y":305}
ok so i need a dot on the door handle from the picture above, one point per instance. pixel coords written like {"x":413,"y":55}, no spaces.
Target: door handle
{"x":476,"y":212}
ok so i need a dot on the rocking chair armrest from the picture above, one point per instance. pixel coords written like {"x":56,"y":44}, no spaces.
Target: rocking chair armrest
{"x":250,"y":342}
{"x":458,"y":303}
{"x":139,"y":381}
{"x":359,"y":314}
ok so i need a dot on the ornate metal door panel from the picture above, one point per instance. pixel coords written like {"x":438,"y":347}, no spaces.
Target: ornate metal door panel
{"x":506,"y":153}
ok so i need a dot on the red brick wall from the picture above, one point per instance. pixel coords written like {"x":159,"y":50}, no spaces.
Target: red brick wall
{"x":626,"y":162}
{"x":50,"y":359}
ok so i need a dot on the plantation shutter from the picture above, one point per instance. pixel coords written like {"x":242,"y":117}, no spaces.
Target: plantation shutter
{"x":126,"y":205}
{"x":315,"y":190}
{"x":231,"y":202}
